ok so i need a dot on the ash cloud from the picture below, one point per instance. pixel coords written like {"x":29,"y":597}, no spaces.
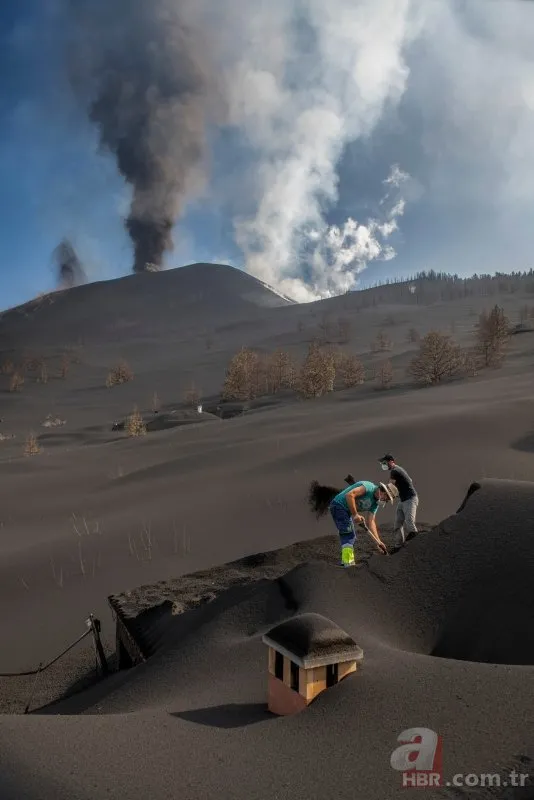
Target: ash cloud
{"x":293,"y":85}
{"x":69,"y":268}
{"x":143,"y":72}
{"x":293,"y":81}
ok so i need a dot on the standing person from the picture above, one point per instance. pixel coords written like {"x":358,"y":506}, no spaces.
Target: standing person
{"x":406,"y":510}
{"x":346,"y":509}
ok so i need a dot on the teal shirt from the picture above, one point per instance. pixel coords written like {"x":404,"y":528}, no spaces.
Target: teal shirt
{"x":366,"y":503}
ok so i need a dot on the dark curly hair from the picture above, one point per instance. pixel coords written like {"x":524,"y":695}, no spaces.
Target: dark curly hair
{"x":320,"y":497}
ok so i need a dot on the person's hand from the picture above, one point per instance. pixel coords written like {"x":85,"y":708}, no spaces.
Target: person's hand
{"x":382,"y":547}
{"x":357,"y":519}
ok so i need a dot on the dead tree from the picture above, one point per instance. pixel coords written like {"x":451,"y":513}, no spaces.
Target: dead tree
{"x":492,"y":333}
{"x":438,"y":358}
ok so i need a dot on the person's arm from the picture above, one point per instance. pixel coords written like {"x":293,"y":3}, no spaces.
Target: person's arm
{"x":351,"y":499}
{"x":373,"y":530}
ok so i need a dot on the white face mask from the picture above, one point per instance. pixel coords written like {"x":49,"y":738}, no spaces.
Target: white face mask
{"x":384,"y":467}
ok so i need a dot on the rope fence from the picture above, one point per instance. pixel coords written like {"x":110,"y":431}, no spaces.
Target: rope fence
{"x":93,"y":628}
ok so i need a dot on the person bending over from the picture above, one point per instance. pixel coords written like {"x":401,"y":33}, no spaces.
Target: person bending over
{"x":356,"y":504}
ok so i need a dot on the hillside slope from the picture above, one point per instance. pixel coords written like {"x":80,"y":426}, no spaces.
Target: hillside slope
{"x":146,"y":304}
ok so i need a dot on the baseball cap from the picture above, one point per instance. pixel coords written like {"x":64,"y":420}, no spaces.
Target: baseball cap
{"x":387,"y":457}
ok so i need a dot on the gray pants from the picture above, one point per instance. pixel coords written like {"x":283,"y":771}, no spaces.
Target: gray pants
{"x":405,"y":514}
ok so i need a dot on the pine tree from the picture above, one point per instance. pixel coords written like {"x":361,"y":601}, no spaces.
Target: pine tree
{"x":135,"y":425}
{"x":317,"y":373}
{"x":241,"y":378}
{"x":492,"y":334}
{"x":119,"y":374}
{"x":385,"y":375}
{"x":281,"y":371}
{"x":351,"y":371}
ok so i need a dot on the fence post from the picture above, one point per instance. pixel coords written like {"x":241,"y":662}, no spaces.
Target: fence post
{"x":95,"y":629}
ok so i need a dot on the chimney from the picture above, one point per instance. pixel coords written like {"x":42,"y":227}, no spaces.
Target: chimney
{"x":306,"y":655}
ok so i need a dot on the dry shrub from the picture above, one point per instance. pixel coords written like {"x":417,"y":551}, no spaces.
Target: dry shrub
{"x":135,"y":425}
{"x":7,"y":367}
{"x":17,"y":382}
{"x":31,"y":446}
{"x":119,"y":374}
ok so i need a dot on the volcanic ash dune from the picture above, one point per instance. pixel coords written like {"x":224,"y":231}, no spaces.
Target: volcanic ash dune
{"x":446,"y":629}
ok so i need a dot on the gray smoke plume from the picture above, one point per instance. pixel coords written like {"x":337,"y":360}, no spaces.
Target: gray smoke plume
{"x":144,"y":76}
{"x":70,"y":271}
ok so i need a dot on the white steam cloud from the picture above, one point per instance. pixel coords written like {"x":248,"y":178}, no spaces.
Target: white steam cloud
{"x":338,"y":254}
{"x":297,"y":108}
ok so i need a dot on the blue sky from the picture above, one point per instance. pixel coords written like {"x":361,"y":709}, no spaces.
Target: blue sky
{"x":462,"y":127}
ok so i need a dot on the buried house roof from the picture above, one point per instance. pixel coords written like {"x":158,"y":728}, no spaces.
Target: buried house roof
{"x":311,"y":640}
